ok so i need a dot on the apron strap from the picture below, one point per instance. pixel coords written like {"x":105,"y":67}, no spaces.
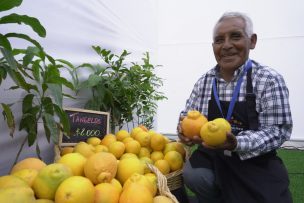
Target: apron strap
{"x":251,"y":103}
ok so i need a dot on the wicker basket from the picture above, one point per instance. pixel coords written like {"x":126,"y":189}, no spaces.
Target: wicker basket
{"x":175,"y":180}
{"x":162,"y":183}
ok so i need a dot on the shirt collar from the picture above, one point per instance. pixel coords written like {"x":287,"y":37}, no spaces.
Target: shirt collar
{"x":236,"y":73}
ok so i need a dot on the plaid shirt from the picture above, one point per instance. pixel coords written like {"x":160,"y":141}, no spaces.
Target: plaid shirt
{"x":275,"y":121}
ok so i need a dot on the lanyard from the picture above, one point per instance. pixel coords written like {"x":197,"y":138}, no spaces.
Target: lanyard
{"x":235,"y":91}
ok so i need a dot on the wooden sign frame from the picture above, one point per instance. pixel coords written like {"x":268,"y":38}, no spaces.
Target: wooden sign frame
{"x":85,"y":123}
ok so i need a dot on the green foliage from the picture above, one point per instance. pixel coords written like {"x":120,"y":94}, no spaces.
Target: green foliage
{"x":36,"y":73}
{"x":128,"y":93}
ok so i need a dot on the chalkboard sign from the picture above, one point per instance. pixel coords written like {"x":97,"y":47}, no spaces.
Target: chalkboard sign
{"x":84,"y":124}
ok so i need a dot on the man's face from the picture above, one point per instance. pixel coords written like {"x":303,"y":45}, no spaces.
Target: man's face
{"x":231,"y":45}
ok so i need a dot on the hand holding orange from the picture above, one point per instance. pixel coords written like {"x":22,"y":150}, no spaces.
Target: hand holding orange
{"x":192,"y":123}
{"x":214,"y":132}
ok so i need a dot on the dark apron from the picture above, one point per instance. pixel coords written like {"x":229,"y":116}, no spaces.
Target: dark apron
{"x":261,"y":179}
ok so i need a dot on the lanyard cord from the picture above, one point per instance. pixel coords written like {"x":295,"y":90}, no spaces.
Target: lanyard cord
{"x":236,"y":91}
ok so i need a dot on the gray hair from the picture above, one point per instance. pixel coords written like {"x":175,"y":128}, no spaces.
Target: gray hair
{"x":247,"y":20}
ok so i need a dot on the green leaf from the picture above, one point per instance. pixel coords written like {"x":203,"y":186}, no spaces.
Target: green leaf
{"x":56,"y":91}
{"x":5,"y":43}
{"x":36,"y":70}
{"x":9,"y":4}
{"x":25,"y":37}
{"x":46,"y":129}
{"x":31,"y":21}
{"x":32,"y":135}
{"x":19,"y":80}
{"x":29,"y":124}
{"x":3,"y":73}
{"x":51,"y":59}
{"x":9,"y":58}
{"x":47,"y":105}
{"x":51,"y":125}
{"x":27,"y":103}
{"x":93,"y":80}
{"x":9,"y":117}
{"x":64,"y":119}
{"x":29,"y":55}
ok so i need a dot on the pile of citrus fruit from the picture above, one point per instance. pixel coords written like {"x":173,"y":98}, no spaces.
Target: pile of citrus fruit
{"x":108,"y":170}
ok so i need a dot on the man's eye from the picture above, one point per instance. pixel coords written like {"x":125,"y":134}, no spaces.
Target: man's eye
{"x":218,"y":41}
{"x":236,"y":36}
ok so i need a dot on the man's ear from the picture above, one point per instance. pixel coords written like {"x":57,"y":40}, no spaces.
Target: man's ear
{"x":253,"y":41}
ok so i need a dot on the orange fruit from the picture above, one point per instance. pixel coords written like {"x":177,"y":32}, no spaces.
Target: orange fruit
{"x":143,"y":138}
{"x":144,"y":152}
{"x":116,"y":184}
{"x":192,"y":123}
{"x":75,"y":189}
{"x":101,"y":148}
{"x":11,"y":181}
{"x":108,"y":139}
{"x":158,"y":142}
{"x":29,"y":163}
{"x":128,"y":155}
{"x":66,"y":150}
{"x":135,"y":130}
{"x":27,"y":174}
{"x":44,"y":201}
{"x":93,"y":141}
{"x":48,"y":180}
{"x":179,"y":147}
{"x":122,"y":134}
{"x":153,"y":179}
{"x":136,"y":193}
{"x":169,"y":147}
{"x":144,"y":160}
{"x":214,"y":132}
{"x":163,"y":166}
{"x":141,"y":180}
{"x":127,"y":139}
{"x":106,"y":193}
{"x":17,"y":195}
{"x":133,"y":146}
{"x":101,"y":167}
{"x":156,"y":155}
{"x":126,"y":167}
{"x":175,"y":160}
{"x":117,"y":148}
{"x":84,"y":149}
{"x":75,"y":161}
{"x":144,"y":128}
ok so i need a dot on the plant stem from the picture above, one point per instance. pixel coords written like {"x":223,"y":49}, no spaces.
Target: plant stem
{"x":19,"y":152}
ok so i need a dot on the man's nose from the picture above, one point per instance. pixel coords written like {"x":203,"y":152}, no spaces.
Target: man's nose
{"x":227,"y":43}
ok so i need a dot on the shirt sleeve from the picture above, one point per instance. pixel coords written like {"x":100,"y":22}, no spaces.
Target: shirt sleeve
{"x":194,"y":100}
{"x":275,"y":121}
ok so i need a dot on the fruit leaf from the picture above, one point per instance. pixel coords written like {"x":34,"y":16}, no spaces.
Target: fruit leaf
{"x":31,"y":21}
{"x":9,"y":4}
{"x":51,"y":125}
{"x":9,"y":117}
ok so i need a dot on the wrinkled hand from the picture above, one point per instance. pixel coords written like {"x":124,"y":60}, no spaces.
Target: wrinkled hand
{"x":229,"y":144}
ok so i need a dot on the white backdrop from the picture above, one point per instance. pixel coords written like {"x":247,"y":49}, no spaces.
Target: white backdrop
{"x":177,"y":33}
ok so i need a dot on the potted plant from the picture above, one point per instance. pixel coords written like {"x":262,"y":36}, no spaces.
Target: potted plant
{"x":129,"y":93}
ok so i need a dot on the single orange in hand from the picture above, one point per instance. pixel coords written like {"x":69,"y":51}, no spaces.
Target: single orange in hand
{"x":192,"y":123}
